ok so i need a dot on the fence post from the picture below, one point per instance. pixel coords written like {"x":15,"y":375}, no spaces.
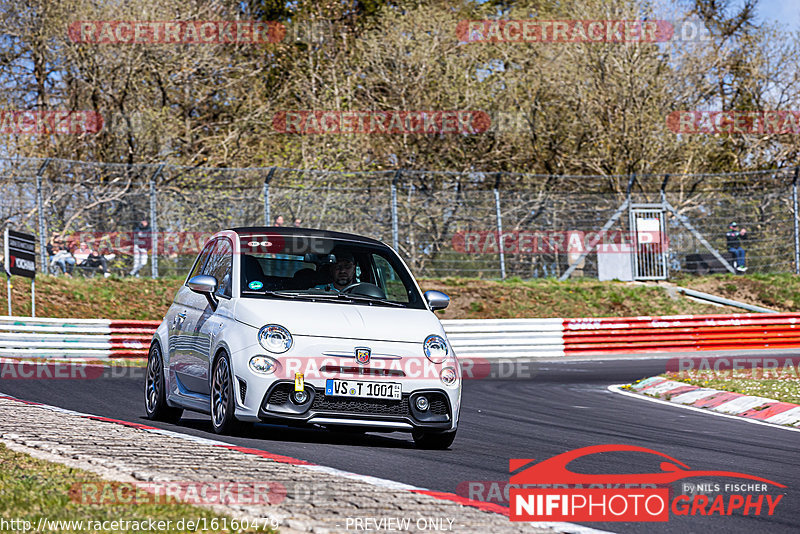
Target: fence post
{"x":154,"y":223}
{"x":40,"y":209}
{"x":794,"y":213}
{"x":267,"y":180}
{"x":395,"y":232}
{"x":499,"y":226}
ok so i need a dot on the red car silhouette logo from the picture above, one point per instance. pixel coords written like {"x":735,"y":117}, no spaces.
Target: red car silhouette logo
{"x":554,"y":470}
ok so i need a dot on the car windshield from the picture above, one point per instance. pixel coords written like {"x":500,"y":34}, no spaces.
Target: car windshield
{"x":324,"y":269}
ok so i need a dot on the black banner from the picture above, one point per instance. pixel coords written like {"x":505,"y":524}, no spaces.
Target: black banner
{"x":21,"y":257}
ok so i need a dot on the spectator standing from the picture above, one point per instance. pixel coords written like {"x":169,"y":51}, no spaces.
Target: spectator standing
{"x":142,"y":240}
{"x":278,"y":221}
{"x":734,"y":236}
{"x":297,"y":223}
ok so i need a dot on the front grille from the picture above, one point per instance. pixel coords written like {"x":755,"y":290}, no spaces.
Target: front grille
{"x":280,"y":394}
{"x":438,"y":405}
{"x":323,"y":403}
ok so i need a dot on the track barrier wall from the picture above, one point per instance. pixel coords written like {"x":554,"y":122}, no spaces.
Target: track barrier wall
{"x":74,"y":338}
{"x":470,"y":338}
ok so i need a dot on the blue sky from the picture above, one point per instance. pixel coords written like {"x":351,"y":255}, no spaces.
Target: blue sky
{"x":784,"y":11}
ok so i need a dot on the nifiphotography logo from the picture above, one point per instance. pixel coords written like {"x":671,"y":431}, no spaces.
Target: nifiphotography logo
{"x":573,"y":496}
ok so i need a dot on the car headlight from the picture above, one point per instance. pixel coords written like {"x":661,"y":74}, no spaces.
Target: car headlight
{"x":436,"y":349}
{"x":448,"y":376}
{"x":263,"y":364}
{"x":275,"y":338}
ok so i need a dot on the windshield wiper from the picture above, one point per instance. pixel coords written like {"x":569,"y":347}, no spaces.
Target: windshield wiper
{"x":326,"y":296}
{"x":363,"y":298}
{"x":271,"y":293}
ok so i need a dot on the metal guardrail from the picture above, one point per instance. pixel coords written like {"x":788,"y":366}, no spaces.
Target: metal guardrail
{"x":74,"y":338}
{"x":722,"y":300}
{"x":471,"y":339}
{"x":506,"y":338}
{"x":681,"y":333}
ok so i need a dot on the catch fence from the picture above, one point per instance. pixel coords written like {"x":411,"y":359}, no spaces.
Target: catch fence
{"x":466,"y":224}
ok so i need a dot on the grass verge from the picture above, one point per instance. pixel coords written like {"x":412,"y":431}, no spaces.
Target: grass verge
{"x":144,"y":298}
{"x":31,"y":489}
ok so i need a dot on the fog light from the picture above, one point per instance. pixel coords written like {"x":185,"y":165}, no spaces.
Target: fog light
{"x":263,"y":364}
{"x":422,"y":403}
{"x":448,"y":376}
{"x":299,"y":397}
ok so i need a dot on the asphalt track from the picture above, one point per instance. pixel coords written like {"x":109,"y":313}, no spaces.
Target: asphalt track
{"x":557,"y":406}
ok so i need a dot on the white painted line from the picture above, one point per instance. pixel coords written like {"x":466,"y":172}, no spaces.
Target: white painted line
{"x":617,"y":388}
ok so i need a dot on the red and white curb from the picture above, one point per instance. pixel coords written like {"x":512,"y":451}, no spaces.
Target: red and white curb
{"x":568,"y":528}
{"x":725,"y":403}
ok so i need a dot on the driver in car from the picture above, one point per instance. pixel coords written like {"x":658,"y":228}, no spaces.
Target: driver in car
{"x":344,"y":272}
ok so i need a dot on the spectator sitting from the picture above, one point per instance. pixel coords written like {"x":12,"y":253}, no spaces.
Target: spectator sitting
{"x":734,"y":237}
{"x":90,"y":259}
{"x":81,"y":254}
{"x":97,"y":261}
{"x":60,"y":256}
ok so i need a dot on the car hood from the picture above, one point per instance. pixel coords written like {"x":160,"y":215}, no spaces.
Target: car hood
{"x":347,"y":321}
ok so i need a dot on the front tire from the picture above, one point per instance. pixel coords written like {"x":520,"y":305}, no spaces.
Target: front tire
{"x":222,"y":402}
{"x":155,"y":396}
{"x":433,"y":440}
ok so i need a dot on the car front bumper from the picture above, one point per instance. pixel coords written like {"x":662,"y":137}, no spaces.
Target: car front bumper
{"x":277,"y":405}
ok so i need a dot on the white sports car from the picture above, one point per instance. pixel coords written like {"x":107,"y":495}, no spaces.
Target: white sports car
{"x":305,"y":327}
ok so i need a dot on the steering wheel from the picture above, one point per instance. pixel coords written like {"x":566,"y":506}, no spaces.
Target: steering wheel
{"x":348,"y":288}
{"x":366,"y":289}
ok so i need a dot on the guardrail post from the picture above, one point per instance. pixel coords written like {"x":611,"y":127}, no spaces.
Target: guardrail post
{"x":499,"y":226}
{"x":267,"y":180}
{"x":40,"y":209}
{"x":794,"y":214}
{"x":395,"y":231}
{"x":154,"y":223}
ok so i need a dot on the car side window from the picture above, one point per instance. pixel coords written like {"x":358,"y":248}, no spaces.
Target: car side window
{"x":220,"y":266}
{"x":201,"y":259}
{"x":389,"y":280}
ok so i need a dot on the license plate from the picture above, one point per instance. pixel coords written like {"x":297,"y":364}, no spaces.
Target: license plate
{"x":362,"y":389}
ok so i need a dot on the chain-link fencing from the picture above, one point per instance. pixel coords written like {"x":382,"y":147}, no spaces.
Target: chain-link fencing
{"x":154,"y":218}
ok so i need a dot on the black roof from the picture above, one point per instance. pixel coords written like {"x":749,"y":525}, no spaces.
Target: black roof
{"x":305,"y":232}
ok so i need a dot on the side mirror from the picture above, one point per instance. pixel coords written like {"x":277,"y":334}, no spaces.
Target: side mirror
{"x":437,"y":300}
{"x":204,"y":285}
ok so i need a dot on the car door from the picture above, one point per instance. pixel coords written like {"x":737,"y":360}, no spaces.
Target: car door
{"x":206,"y":322}
{"x":188,"y":307}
